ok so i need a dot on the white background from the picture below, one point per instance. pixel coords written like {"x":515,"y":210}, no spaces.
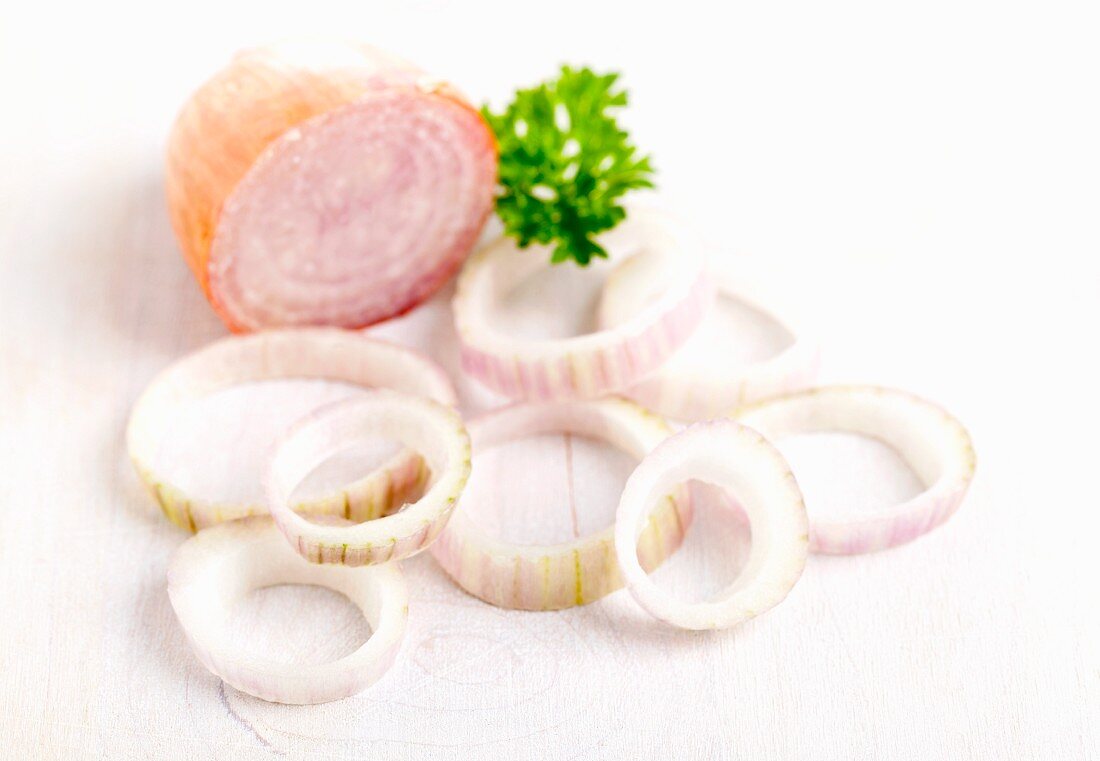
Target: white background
{"x":921,"y":178}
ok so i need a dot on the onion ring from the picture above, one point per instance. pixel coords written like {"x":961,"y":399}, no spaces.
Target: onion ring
{"x":216,"y":568}
{"x":594,"y":364}
{"x":552,"y":577}
{"x":933,"y":443}
{"x":736,"y":458}
{"x":296,"y":353}
{"x":424,"y":426}
{"x":699,"y":382}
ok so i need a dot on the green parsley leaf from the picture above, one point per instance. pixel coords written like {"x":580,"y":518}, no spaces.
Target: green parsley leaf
{"x":564,"y":163}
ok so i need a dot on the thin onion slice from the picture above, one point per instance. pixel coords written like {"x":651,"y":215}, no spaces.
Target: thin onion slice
{"x":325,"y":353}
{"x":556,"y":576}
{"x":594,"y":364}
{"x":737,"y":459}
{"x":424,"y":426}
{"x":933,"y":443}
{"x":702,"y":380}
{"x":215,"y":569}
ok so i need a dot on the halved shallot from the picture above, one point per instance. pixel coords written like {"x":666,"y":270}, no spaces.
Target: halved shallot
{"x":704,"y":378}
{"x":327,"y":353}
{"x":215,"y":569}
{"x":594,"y":364}
{"x":428,"y":428}
{"x":555,"y":576}
{"x":326,"y":183}
{"x":741,"y":461}
{"x":933,"y":443}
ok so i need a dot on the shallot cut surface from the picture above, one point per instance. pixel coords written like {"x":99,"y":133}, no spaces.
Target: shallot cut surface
{"x":326,"y":183}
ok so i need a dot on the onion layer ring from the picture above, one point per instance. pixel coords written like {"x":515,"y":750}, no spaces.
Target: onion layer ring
{"x":218,"y":567}
{"x":933,"y":443}
{"x":424,"y":426}
{"x":326,"y":353}
{"x":738,"y":459}
{"x":552,"y":577}
{"x":594,"y":364}
{"x":688,"y":389}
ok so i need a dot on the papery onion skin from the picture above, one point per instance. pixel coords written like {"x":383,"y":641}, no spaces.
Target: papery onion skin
{"x":246,"y":114}
{"x":526,"y":576}
{"x":903,"y":421}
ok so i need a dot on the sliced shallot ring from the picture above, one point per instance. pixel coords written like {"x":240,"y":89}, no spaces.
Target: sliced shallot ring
{"x":556,"y":576}
{"x":421,"y":425}
{"x":684,"y":389}
{"x":326,"y":353}
{"x":740,"y":460}
{"x":593,"y":364}
{"x":215,"y":569}
{"x":932,"y":442}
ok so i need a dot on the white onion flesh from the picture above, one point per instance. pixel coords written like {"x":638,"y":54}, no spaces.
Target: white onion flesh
{"x":705,"y":378}
{"x":933,"y":443}
{"x":215,"y":569}
{"x":428,"y":428}
{"x":742,"y":462}
{"x":324,"y":353}
{"x":555,"y":576}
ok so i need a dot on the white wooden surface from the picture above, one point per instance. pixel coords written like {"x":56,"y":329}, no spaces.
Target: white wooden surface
{"x":921,"y":178}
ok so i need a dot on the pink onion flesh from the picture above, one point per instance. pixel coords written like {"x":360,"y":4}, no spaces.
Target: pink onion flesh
{"x":934,"y":444}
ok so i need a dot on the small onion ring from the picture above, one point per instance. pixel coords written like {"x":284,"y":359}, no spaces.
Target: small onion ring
{"x":594,"y":364}
{"x":740,"y":460}
{"x":325,"y":353}
{"x":683,"y":391}
{"x":932,"y":442}
{"x":424,"y":426}
{"x":556,"y":576}
{"x":218,"y":567}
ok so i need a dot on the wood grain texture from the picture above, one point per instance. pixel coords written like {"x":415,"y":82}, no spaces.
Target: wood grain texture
{"x":941,"y":234}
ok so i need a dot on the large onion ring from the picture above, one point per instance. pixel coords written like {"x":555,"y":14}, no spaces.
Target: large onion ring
{"x":424,"y":426}
{"x":218,"y":567}
{"x":315,"y":182}
{"x":933,"y":443}
{"x":740,"y":460}
{"x":552,"y":577}
{"x":691,"y":387}
{"x":594,"y":364}
{"x":327,"y":353}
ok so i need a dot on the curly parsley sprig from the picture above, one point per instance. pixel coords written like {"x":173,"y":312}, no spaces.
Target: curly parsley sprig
{"x":564,"y":163}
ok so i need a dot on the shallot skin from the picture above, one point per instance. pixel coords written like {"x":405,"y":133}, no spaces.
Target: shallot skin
{"x":240,"y":119}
